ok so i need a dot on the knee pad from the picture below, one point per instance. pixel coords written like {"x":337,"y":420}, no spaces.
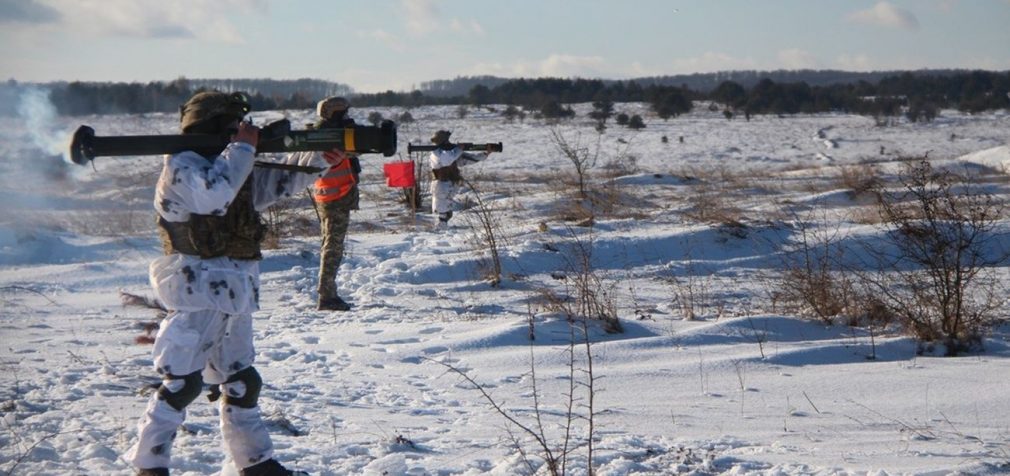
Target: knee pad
{"x":181,"y":391}
{"x":243,"y":388}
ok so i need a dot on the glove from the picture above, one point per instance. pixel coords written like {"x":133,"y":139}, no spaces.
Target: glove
{"x":335,"y":157}
{"x":309,"y":159}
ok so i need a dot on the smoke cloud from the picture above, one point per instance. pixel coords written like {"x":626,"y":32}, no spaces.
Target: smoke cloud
{"x":40,"y":119}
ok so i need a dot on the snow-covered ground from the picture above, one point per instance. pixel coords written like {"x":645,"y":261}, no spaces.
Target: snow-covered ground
{"x":740,"y":389}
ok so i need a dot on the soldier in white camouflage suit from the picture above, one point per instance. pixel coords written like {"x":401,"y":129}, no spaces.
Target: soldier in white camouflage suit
{"x":446,"y":179}
{"x":208,"y":205}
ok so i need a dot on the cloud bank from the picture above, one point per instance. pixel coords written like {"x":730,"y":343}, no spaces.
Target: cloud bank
{"x":207,"y":20}
{"x":886,"y":15}
{"x":27,"y":11}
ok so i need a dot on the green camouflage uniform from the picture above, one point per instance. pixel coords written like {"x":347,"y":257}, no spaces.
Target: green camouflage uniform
{"x":334,"y":217}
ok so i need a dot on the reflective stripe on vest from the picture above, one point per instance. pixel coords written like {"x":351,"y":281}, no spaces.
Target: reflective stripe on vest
{"x":337,"y":183}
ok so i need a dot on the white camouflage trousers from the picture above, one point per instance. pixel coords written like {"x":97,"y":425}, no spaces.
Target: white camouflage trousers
{"x":443,"y":195}
{"x":219,"y":345}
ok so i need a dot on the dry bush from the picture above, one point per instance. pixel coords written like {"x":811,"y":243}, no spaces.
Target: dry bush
{"x":618,"y":201}
{"x":939,"y":276}
{"x":485,"y":221}
{"x":812,"y":279}
{"x":577,"y":212}
{"x":711,"y":203}
{"x":692,"y":295}
{"x":861,"y":179}
{"x":864,"y":215}
{"x":713,"y":194}
{"x":290,"y":217}
{"x":554,"y":436}
{"x":585,"y":294}
{"x":622,"y":164}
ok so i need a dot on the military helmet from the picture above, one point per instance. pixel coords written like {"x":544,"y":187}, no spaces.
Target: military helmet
{"x":207,"y":105}
{"x":326,"y":108}
{"x":440,"y":137}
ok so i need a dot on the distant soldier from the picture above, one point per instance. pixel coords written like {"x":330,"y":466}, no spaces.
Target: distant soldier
{"x":445,"y":162}
{"x":335,"y":195}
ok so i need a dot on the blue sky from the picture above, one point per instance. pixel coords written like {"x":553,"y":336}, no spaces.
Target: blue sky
{"x":375,"y":45}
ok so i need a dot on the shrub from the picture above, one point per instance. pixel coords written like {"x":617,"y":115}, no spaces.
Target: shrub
{"x":939,"y":277}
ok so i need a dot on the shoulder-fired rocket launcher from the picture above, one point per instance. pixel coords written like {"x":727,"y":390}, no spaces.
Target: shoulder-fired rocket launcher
{"x":274,"y":137}
{"x":466,"y":146}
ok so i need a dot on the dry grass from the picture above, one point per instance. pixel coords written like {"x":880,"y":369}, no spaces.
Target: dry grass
{"x":861,"y":179}
{"x":865,"y":215}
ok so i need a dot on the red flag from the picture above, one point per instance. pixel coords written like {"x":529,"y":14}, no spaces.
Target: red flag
{"x":399,"y":174}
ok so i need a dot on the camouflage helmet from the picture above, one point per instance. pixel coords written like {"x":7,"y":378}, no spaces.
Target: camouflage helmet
{"x":207,"y":105}
{"x":440,"y":137}
{"x":326,"y":108}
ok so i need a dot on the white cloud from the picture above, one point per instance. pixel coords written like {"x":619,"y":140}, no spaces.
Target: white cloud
{"x":885,"y":14}
{"x":638,"y":70}
{"x":568,"y":65}
{"x":555,"y":65}
{"x":422,"y":16}
{"x":857,"y":62}
{"x":209,"y":20}
{"x":795,"y":58}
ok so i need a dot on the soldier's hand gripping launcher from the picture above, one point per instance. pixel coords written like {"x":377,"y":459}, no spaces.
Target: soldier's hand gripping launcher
{"x":467,"y":146}
{"x":274,"y":137}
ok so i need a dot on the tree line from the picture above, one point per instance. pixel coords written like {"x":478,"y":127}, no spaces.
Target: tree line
{"x":918,"y":95}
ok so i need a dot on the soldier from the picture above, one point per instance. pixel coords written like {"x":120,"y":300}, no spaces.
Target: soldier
{"x":208,"y":205}
{"x":446,"y":179}
{"x":335,"y":195}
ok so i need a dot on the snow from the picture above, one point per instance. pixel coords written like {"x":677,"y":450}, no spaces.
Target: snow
{"x":740,"y":389}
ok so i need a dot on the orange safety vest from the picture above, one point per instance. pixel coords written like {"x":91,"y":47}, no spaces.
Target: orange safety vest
{"x":338,"y":181}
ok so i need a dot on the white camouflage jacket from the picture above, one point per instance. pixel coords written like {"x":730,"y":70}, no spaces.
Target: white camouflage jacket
{"x":190,"y":184}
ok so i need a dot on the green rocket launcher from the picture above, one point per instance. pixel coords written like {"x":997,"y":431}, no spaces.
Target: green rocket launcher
{"x":276,"y":137}
{"x":466,"y":146}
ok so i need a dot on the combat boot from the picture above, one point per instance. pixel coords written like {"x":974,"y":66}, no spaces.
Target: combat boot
{"x":333,"y":304}
{"x":270,"y":467}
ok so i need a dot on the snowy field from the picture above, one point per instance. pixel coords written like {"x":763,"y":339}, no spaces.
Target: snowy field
{"x":743,"y":388}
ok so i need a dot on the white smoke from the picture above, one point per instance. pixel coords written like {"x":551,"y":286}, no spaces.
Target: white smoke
{"x":40,"y":120}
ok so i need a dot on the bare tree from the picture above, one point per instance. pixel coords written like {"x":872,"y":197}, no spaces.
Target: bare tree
{"x":583,"y":158}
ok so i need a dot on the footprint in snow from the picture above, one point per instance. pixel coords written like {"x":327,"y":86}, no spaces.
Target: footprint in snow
{"x":409,"y":340}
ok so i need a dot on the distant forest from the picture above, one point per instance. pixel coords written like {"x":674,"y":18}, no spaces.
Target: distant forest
{"x":916,"y":94}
